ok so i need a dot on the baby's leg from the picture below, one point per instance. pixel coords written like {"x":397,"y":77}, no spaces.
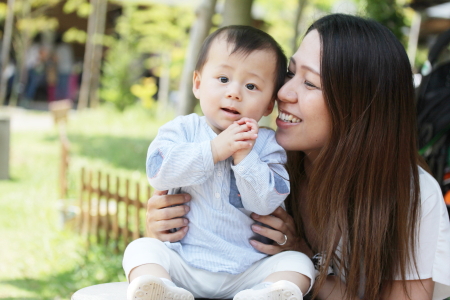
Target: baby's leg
{"x":302,"y":281}
{"x":146,"y":263}
{"x":149,"y":269}
{"x":288,"y":276}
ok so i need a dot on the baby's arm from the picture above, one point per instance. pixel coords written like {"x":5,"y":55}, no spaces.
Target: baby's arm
{"x":261,"y":178}
{"x":174,"y":160}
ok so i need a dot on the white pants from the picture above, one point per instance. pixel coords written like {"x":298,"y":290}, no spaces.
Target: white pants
{"x":205,"y":284}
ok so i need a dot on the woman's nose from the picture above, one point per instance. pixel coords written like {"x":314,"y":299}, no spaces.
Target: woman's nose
{"x":287,"y":93}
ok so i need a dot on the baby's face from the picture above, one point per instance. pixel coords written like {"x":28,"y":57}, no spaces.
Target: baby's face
{"x":232,"y":86}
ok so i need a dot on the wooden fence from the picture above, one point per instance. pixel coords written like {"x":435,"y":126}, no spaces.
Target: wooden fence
{"x":109,"y":216}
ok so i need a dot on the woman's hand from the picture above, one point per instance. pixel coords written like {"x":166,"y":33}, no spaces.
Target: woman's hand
{"x":283,"y":225}
{"x":165,"y":212}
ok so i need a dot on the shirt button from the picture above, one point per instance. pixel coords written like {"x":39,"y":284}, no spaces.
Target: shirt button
{"x":219,"y":173}
{"x":241,"y":168}
{"x":217,"y":195}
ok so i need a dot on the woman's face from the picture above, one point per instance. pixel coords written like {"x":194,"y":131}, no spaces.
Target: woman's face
{"x":303,"y":121}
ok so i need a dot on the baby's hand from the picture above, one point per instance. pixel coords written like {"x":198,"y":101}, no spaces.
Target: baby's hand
{"x":238,"y":136}
{"x":253,"y":127}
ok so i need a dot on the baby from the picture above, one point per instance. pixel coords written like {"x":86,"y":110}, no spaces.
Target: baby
{"x":231,"y":168}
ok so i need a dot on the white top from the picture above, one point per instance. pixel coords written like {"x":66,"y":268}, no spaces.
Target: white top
{"x":64,"y":54}
{"x":180,"y":160}
{"x":433,"y":251}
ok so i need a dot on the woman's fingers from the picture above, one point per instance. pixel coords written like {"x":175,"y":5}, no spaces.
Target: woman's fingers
{"x":161,"y":201}
{"x":159,"y":193}
{"x":272,"y":221}
{"x":165,"y":212}
{"x":165,"y":225}
{"x":173,"y":237}
{"x":274,"y":235}
{"x":264,"y":248}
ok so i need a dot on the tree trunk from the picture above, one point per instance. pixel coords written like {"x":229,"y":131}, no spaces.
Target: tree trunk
{"x":237,"y":12}
{"x":298,"y":17}
{"x":5,"y":49}
{"x":89,"y":52}
{"x":199,"y":31}
{"x":98,"y":51}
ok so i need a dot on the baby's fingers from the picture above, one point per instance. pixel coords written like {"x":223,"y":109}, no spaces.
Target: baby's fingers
{"x":238,"y":145}
{"x":244,"y":136}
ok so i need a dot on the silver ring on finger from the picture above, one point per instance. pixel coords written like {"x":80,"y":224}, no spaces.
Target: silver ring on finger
{"x":285,"y":240}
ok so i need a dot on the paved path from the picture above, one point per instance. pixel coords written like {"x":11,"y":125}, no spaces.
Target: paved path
{"x":26,"y":120}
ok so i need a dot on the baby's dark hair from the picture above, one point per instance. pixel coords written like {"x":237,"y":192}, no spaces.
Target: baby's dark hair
{"x":247,"y":39}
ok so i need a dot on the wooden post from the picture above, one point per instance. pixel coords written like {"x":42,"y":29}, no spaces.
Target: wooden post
{"x":137,"y":206}
{"x":89,"y":209}
{"x":6,"y":43}
{"x":107,"y":220}
{"x":81,"y":202}
{"x":127,"y":206}
{"x":98,"y":208}
{"x":116,"y":217}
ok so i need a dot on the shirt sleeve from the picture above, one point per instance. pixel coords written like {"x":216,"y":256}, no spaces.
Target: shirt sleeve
{"x":174,"y":159}
{"x":433,"y":244}
{"x":261,"y":178}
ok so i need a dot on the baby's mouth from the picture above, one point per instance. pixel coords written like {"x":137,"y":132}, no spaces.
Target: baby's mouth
{"x":230,"y":110}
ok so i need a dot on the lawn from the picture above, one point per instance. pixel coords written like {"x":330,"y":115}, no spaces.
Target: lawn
{"x":40,"y":258}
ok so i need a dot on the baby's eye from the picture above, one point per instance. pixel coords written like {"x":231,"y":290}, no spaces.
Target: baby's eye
{"x":223,"y":79}
{"x":289,"y":74}
{"x":250,"y":86}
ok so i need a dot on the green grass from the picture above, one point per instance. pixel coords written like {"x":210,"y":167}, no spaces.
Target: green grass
{"x":39,"y":259}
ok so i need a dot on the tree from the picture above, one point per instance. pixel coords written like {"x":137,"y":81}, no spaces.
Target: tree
{"x":199,"y":31}
{"x":237,"y":12}
{"x":146,"y":38}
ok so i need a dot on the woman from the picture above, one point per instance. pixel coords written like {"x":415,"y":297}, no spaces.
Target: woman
{"x":358,"y":197}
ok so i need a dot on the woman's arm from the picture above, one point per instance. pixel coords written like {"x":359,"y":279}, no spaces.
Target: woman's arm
{"x":165,"y":212}
{"x":334,"y":289}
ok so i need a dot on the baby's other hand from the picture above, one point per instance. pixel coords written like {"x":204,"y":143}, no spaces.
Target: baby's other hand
{"x":252,"y":127}
{"x":235,"y":138}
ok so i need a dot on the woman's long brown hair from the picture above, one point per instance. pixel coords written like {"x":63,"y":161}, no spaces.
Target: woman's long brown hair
{"x":364,"y":186}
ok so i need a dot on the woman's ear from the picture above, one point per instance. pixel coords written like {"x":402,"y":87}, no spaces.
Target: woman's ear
{"x":270,"y":108}
{"x":196,"y":81}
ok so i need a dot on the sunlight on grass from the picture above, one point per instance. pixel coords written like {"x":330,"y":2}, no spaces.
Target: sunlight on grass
{"x":39,"y":259}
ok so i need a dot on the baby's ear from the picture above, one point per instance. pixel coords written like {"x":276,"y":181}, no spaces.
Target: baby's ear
{"x":270,"y":108}
{"x":196,"y":81}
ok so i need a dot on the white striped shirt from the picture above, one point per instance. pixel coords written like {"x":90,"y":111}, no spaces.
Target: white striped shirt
{"x":180,"y":160}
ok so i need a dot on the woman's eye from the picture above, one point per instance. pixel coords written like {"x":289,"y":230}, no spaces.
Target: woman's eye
{"x":309,"y":84}
{"x":223,"y":79}
{"x":250,"y":86}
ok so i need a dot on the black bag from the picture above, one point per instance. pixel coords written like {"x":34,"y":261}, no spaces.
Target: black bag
{"x":433,"y":108}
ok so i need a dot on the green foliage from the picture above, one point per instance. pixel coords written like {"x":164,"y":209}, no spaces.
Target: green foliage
{"x":389,"y":13}
{"x":142,"y":34}
{"x":82,"y":7}
{"x":41,"y":260}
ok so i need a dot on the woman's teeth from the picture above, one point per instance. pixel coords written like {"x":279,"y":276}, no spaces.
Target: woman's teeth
{"x":288,"y":118}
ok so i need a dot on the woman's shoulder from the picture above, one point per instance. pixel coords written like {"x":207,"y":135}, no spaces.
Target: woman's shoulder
{"x":429,"y":187}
